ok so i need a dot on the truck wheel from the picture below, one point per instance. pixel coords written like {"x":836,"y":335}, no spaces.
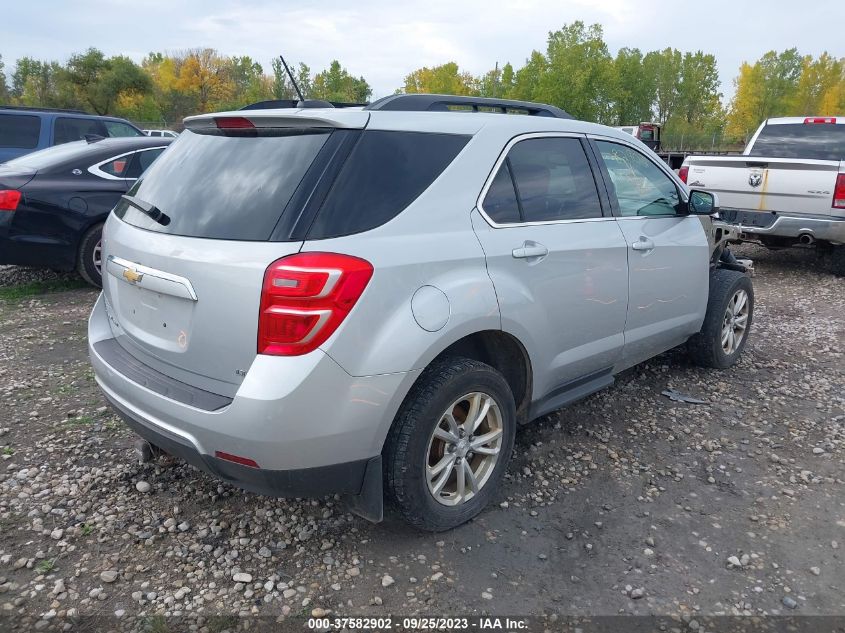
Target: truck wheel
{"x":450,"y":444}
{"x":730,"y":309}
{"x":837,"y":260}
{"x":89,"y":262}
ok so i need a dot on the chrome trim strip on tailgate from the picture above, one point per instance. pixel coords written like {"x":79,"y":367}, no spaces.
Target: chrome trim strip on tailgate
{"x":150,"y":278}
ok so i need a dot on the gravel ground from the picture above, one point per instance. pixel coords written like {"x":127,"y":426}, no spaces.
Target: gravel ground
{"x":625,"y":503}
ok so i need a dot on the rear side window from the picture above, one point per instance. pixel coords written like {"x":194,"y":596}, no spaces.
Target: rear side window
{"x":385,"y":172}
{"x":117,"y":167}
{"x":553,"y":181}
{"x":69,"y":129}
{"x":814,"y":141}
{"x":500,"y":203}
{"x":141,"y":161}
{"x":117,"y":129}
{"x":224,"y":187}
{"x":19,"y":131}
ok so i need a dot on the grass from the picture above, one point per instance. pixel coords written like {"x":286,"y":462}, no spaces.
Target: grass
{"x":35,"y":288}
{"x":154,"y":624}
{"x":8,"y":450}
{"x":87,"y":530}
{"x":45,"y":566}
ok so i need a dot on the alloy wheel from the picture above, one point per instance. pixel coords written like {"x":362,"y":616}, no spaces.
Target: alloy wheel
{"x":464,"y":448}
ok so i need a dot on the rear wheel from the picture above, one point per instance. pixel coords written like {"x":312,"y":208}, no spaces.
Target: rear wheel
{"x":450,"y":444}
{"x":724,"y":333}
{"x":89,"y":262}
{"x":836,"y":257}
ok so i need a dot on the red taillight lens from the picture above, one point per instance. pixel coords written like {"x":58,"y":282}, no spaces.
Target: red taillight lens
{"x":236,"y":459}
{"x":233,"y":123}
{"x":305,"y":298}
{"x":683,"y":173}
{"x":820,"y":119}
{"x":839,"y":192}
{"x":9,"y":199}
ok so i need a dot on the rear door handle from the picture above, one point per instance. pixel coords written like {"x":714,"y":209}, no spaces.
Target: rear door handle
{"x":643,"y":244}
{"x":530,"y":250}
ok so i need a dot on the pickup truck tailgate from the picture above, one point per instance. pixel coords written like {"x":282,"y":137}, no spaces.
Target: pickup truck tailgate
{"x":767,"y":184}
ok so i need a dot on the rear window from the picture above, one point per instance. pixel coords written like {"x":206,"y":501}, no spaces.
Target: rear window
{"x":815,"y":141}
{"x":385,"y":172}
{"x":224,"y":187}
{"x":19,"y":131}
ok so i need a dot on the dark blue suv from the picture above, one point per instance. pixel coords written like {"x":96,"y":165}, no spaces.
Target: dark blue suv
{"x":24,"y":130}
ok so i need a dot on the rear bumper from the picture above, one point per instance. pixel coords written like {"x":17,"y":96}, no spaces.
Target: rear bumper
{"x":830,"y":229}
{"x":312,"y":428}
{"x":345,"y":478}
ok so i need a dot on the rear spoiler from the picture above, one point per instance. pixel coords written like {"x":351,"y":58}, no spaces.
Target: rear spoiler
{"x":279,"y":118}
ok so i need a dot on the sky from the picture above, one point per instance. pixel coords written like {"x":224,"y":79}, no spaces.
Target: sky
{"x":385,"y":40}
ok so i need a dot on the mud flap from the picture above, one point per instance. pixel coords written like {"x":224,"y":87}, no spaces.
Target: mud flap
{"x":369,"y":503}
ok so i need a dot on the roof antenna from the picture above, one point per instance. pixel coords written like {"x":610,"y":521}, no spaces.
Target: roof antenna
{"x":292,"y":80}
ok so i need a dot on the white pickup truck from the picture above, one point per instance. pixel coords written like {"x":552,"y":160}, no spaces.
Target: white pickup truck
{"x":787,"y":187}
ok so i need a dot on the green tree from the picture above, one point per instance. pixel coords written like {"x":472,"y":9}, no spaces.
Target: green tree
{"x":99,"y":82}
{"x":818,"y":78}
{"x":526,"y":82}
{"x":579,"y":75}
{"x":282,"y":86}
{"x":336,"y":84}
{"x":634,"y":88}
{"x":665,"y":67}
{"x":4,"y":88}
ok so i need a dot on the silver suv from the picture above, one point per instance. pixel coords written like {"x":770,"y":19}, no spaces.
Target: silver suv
{"x":369,"y":301}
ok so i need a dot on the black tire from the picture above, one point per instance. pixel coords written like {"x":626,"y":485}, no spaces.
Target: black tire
{"x":405,"y":453}
{"x":836,"y":260}
{"x":705,"y":348}
{"x":85,"y":259}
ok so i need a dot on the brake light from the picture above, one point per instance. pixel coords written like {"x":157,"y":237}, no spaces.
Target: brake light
{"x":9,"y":199}
{"x":305,"y":298}
{"x":683,"y":173}
{"x":839,"y":192}
{"x":233,"y":123}
{"x":820,"y":119}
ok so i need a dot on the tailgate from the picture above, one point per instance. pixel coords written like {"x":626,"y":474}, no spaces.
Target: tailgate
{"x":782,"y":185}
{"x":185,"y":251}
{"x":187,"y":307}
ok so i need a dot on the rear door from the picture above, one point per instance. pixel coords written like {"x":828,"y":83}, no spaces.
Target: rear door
{"x":183,"y":291}
{"x":668,"y":251}
{"x":557,"y":262}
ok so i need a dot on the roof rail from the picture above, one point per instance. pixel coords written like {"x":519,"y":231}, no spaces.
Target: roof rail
{"x":273,"y":104}
{"x":37,"y":109}
{"x":454,"y":103}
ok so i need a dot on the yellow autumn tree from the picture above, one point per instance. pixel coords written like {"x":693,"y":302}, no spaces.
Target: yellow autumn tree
{"x":745,"y":110}
{"x":203,"y":74}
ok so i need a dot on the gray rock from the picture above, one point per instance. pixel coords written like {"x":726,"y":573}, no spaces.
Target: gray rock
{"x":108,"y":576}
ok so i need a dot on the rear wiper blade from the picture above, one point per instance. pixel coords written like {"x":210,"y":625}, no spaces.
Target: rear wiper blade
{"x":148,"y":209}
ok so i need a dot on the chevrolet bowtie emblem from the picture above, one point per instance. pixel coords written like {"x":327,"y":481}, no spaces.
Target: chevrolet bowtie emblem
{"x":132,"y":276}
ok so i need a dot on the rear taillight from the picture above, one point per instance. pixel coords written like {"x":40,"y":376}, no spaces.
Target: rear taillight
{"x":683,"y":173}
{"x":305,"y":298}
{"x":839,"y":192}
{"x":820,"y":119}
{"x":9,"y":199}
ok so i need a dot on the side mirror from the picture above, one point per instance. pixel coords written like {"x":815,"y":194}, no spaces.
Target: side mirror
{"x":703,"y":203}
